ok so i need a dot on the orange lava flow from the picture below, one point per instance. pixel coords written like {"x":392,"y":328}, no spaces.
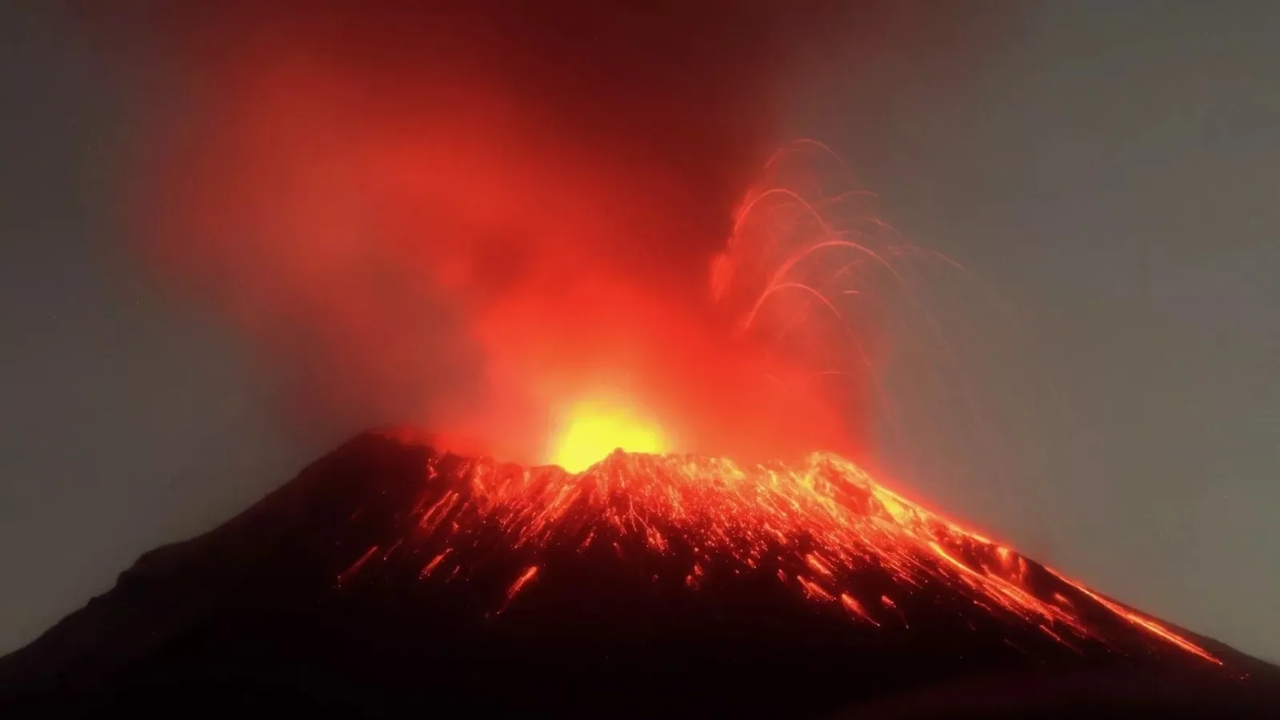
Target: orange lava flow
{"x":814,"y":525}
{"x":1146,"y":624}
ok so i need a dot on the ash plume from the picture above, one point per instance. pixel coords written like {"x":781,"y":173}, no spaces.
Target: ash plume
{"x":461,"y":214}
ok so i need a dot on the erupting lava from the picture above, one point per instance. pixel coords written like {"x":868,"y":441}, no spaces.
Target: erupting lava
{"x":591,"y":430}
{"x":823,"y":527}
{"x":519,"y":229}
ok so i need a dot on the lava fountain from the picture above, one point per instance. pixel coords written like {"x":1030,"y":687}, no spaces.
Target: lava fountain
{"x":591,"y":430}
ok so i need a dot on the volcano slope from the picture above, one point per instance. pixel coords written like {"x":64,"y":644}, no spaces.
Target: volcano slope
{"x":388,"y":578}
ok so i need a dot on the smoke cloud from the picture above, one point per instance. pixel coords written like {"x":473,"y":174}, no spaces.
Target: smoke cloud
{"x":465,"y":215}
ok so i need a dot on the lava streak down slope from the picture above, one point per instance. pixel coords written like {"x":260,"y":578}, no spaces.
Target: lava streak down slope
{"x":389,"y":578}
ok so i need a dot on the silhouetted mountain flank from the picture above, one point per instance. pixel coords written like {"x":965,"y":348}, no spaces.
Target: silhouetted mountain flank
{"x":388,"y":579}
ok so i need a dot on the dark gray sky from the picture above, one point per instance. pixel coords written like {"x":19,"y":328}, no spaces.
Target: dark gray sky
{"x":1108,"y":172}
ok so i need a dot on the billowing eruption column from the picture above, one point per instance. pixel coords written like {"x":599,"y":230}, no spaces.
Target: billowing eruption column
{"x":479,"y":216}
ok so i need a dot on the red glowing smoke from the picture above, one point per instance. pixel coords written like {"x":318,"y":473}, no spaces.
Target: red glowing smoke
{"x":468,"y":218}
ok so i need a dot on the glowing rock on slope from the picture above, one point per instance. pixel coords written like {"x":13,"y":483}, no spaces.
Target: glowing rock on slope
{"x":819,"y":526}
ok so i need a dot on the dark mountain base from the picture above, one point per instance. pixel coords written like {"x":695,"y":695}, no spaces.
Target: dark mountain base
{"x":289,"y":610}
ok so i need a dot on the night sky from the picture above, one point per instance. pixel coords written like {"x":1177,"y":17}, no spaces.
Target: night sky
{"x":1107,"y":173}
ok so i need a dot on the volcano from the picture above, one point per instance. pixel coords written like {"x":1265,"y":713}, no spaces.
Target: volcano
{"x":389,"y":578}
